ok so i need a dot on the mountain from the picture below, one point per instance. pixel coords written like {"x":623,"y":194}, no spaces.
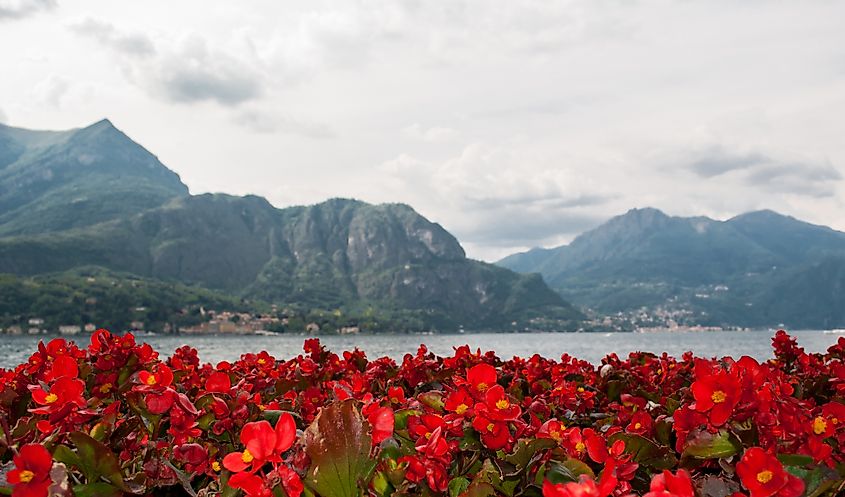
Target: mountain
{"x":747,"y":271}
{"x":51,"y":181}
{"x":339,"y":254}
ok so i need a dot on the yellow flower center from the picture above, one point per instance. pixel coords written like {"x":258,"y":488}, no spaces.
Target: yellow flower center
{"x":151,"y":380}
{"x":246,"y":457}
{"x":638,"y":426}
{"x":718,"y":397}
{"x":26,"y":476}
{"x":428,"y":435}
{"x":394,"y":400}
{"x":105,"y":388}
{"x":580,"y":389}
{"x":764,"y":476}
{"x":502,"y":404}
{"x":834,"y":421}
{"x":819,"y":425}
{"x":555,"y":435}
{"x":490,"y":427}
{"x":50,"y":398}
{"x":215,"y":466}
{"x":461,"y":409}
{"x":482,"y":386}
{"x":579,"y":447}
{"x":262,"y":361}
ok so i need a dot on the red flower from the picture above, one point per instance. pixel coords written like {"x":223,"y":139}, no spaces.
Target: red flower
{"x":494,"y":434}
{"x":381,"y":419}
{"x":716,"y":393}
{"x":218,"y":382}
{"x":428,"y":429}
{"x":396,"y":395}
{"x":640,"y":424}
{"x":763,"y":475}
{"x":65,"y":392}
{"x":161,"y":378}
{"x":585,"y":487}
{"x":553,"y":429}
{"x":64,"y":366}
{"x":31,"y":476}
{"x":481,"y":377}
{"x":252,"y":485}
{"x":668,"y":485}
{"x":460,"y":402}
{"x":497,"y":406}
{"x":263,"y":444}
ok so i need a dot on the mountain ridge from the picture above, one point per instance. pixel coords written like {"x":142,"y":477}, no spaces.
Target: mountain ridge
{"x":341,"y":253}
{"x":647,"y":259}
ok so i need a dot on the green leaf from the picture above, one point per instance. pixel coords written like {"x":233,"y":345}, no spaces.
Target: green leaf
{"x":400,"y":418}
{"x":647,"y":452}
{"x":701,"y":444}
{"x":526,"y":450}
{"x":338,"y":444}
{"x":432,"y":399}
{"x":381,"y":485}
{"x":64,"y":454}
{"x":97,"y":490}
{"x":816,"y":481}
{"x":480,"y":489}
{"x":97,"y":460}
{"x":795,"y":459}
{"x":567,"y":471}
{"x":458,"y":486}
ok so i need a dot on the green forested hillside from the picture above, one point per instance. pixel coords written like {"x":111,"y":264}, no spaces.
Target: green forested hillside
{"x":94,"y":198}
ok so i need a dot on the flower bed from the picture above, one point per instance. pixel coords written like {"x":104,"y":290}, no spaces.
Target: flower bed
{"x":114,"y":419}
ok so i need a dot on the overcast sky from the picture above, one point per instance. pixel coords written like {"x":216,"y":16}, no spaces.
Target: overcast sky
{"x":512,"y":123}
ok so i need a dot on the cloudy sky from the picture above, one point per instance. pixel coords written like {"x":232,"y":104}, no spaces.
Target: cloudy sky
{"x":513,"y":124}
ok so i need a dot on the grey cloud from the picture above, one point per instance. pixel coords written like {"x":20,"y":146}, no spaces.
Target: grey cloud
{"x":135,"y":44}
{"x":189,"y":72}
{"x":715,"y":160}
{"x":201,"y":80}
{"x":265,"y":123}
{"x":767,"y":171}
{"x":18,"y":9}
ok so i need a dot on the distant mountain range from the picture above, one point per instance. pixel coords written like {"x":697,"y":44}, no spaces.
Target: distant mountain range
{"x":758,"y":269}
{"x":92,"y":197}
{"x":92,"y":205}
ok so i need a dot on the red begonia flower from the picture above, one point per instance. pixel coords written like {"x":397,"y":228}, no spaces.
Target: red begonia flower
{"x":31,"y":476}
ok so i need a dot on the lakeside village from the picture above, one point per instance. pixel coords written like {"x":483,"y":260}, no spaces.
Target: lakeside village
{"x":212,"y":323}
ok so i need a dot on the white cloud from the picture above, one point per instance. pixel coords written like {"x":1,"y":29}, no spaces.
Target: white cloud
{"x":3,"y":117}
{"x":507,"y":195}
{"x":264,"y":122}
{"x":433,"y":134}
{"x":51,"y":90}
{"x":511,"y":123}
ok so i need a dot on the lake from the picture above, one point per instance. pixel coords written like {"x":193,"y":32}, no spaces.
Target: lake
{"x":589,"y":346}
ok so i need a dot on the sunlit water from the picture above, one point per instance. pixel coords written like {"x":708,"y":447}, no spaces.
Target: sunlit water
{"x":589,"y":346}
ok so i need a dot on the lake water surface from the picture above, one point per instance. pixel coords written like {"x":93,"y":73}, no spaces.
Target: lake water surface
{"x":589,"y":346}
